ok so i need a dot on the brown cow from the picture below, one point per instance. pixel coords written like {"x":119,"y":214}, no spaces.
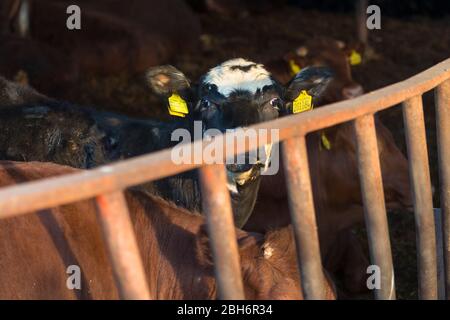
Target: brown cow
{"x":117,"y":36}
{"x":47,"y":69}
{"x":337,"y":195}
{"x":321,"y":52}
{"x":37,"y":248}
{"x":334,"y":172}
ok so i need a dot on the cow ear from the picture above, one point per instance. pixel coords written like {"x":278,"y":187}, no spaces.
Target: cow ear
{"x":166,"y":80}
{"x":306,"y":89}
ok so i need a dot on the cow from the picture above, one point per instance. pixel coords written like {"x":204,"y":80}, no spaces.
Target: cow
{"x":337,"y":196}
{"x":50,"y":70}
{"x":38,"y":248}
{"x":117,"y":36}
{"x":234,"y":94}
{"x":333,"y":166}
{"x":335,"y":54}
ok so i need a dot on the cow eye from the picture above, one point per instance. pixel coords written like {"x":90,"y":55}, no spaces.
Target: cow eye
{"x":205,"y":104}
{"x":276,"y":103}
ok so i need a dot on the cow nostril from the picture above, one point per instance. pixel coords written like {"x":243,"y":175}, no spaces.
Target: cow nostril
{"x":352,"y":91}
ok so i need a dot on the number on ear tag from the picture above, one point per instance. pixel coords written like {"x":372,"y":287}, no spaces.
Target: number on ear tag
{"x":295,"y":68}
{"x":177,"y":106}
{"x":355,"y":58}
{"x":302,"y":103}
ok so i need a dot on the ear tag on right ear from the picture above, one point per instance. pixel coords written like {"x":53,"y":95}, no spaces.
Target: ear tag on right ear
{"x":295,"y":68}
{"x":177,"y":106}
{"x":302,"y":103}
{"x":355,"y":58}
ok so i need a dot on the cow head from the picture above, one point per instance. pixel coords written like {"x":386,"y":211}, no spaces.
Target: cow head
{"x":340,"y":163}
{"x":235,"y":95}
{"x":330,"y":53}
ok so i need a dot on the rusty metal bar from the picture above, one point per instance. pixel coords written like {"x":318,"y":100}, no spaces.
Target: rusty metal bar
{"x":361,"y":18}
{"x":301,"y":207}
{"x":439,"y":253}
{"x":442,"y":96}
{"x":423,"y":199}
{"x":216,"y":205}
{"x":374,"y":205}
{"x":23,"y":19}
{"x":70,"y":188}
{"x":112,"y":212}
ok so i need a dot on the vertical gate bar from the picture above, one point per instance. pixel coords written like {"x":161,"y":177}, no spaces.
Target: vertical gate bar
{"x":423,"y":200}
{"x":216,"y":204}
{"x":374,"y":205}
{"x":23,"y":18}
{"x":361,"y":28}
{"x":112,"y":211}
{"x":301,"y":207}
{"x":442,"y":97}
{"x":439,"y":253}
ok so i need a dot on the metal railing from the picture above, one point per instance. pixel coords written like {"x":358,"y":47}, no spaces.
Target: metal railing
{"x":106,"y":185}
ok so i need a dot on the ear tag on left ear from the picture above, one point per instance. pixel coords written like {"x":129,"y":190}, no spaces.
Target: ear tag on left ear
{"x":295,"y":68}
{"x":325,"y":142}
{"x":177,"y":106}
{"x":302,"y":103}
{"x":355,"y":58}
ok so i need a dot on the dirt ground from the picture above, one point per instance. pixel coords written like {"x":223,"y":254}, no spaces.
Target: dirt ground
{"x":405,"y":47}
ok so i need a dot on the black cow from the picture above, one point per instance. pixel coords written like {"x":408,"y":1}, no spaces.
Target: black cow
{"x":235,"y":94}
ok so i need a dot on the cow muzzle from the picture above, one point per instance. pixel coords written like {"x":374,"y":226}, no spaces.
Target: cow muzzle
{"x":238,"y":175}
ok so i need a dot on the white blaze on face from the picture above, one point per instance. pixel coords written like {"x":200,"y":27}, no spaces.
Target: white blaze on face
{"x":238,"y":74}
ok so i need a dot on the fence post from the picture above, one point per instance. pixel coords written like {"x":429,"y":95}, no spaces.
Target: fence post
{"x":442,"y":97}
{"x":120,"y":239}
{"x":301,"y":207}
{"x":374,"y":205}
{"x":219,"y":216}
{"x":423,"y":200}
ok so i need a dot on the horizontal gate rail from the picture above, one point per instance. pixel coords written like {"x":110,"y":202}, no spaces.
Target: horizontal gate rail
{"x":79,"y":186}
{"x":107,"y":182}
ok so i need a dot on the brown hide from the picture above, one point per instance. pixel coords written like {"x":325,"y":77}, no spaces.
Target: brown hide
{"x":117,"y":36}
{"x":37,"y":248}
{"x":45,"y":68}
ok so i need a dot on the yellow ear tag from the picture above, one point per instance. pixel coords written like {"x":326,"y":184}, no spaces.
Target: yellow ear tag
{"x":355,"y":58}
{"x":177,"y":106}
{"x":295,"y":68}
{"x":325,"y":142}
{"x":302,"y":103}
